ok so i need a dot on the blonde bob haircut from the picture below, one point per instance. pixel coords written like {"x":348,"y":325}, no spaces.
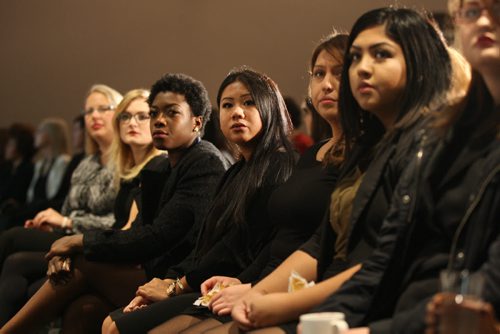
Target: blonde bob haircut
{"x":120,"y":154}
{"x":114,"y":98}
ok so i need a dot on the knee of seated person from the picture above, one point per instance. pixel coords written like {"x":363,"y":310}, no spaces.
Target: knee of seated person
{"x":79,"y":263}
{"x":11,"y":234}
{"x":109,"y":326}
{"x":13,"y":261}
{"x":85,"y":305}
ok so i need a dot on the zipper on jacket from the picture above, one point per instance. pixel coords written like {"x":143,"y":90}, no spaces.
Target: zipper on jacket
{"x":418,"y":174}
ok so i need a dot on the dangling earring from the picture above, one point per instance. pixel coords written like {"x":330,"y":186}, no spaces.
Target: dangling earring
{"x":196,"y":129}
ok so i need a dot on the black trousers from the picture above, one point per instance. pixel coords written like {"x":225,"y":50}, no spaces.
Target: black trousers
{"x":20,"y":239}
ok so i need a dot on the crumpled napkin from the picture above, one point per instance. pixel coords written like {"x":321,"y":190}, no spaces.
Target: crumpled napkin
{"x":203,"y":301}
{"x":297,"y":282}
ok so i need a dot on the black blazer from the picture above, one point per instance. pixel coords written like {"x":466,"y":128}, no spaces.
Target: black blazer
{"x":173,"y":205}
{"x":238,"y":247}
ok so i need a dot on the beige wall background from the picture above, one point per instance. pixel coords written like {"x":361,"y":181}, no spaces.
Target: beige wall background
{"x":53,"y":50}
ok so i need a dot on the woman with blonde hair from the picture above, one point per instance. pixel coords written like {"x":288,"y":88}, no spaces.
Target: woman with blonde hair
{"x":90,"y":201}
{"x":129,"y":152}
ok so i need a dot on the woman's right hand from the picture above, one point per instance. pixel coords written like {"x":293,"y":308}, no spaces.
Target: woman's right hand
{"x":135,"y":304}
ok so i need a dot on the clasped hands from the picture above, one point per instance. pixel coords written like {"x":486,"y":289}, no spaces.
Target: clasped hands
{"x":59,"y":268}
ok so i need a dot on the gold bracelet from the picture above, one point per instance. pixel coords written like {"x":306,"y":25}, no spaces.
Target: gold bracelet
{"x":171,"y":289}
{"x":179,"y":284}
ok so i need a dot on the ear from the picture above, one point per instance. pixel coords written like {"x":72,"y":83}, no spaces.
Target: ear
{"x":198,"y":123}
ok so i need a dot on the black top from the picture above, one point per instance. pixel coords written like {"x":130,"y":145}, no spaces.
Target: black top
{"x":297,"y":208}
{"x":239,"y":247}
{"x":129,"y":191}
{"x":14,"y":182}
{"x":169,"y":218}
{"x":369,"y":207}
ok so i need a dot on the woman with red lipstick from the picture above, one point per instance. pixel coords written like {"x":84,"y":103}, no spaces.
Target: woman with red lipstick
{"x":385,"y":88}
{"x":444,"y":215}
{"x":130,"y":151}
{"x":237,"y":229}
{"x":88,"y":204}
{"x":174,"y":198}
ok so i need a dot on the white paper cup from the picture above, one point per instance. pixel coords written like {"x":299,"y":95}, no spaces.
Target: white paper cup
{"x":323,"y":323}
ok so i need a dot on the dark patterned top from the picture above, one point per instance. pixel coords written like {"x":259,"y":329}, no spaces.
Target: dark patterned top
{"x":91,"y":198}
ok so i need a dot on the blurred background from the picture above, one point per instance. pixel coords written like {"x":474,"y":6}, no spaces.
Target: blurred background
{"x":52,"y":51}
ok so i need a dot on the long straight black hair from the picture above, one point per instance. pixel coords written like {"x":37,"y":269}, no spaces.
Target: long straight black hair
{"x":428,"y":72}
{"x":273,"y":153}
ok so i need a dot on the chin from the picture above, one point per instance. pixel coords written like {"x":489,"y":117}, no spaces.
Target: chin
{"x":159,"y":144}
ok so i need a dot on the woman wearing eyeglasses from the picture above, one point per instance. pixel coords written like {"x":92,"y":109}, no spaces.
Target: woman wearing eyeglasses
{"x":446,"y":208}
{"x":89,"y":204}
{"x":130,"y":151}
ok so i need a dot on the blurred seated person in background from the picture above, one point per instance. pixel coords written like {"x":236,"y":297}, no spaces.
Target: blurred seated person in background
{"x":51,"y":160}
{"x":299,"y":138}
{"x":17,"y":170}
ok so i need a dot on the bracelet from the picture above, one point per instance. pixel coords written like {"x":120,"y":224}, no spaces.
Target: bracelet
{"x":65,"y":222}
{"x":171,"y":289}
{"x":179,"y":284}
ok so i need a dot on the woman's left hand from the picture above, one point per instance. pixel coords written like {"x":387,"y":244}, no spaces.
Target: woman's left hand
{"x":155,"y":290}
{"x":59,"y":270}
{"x":222,"y":303}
